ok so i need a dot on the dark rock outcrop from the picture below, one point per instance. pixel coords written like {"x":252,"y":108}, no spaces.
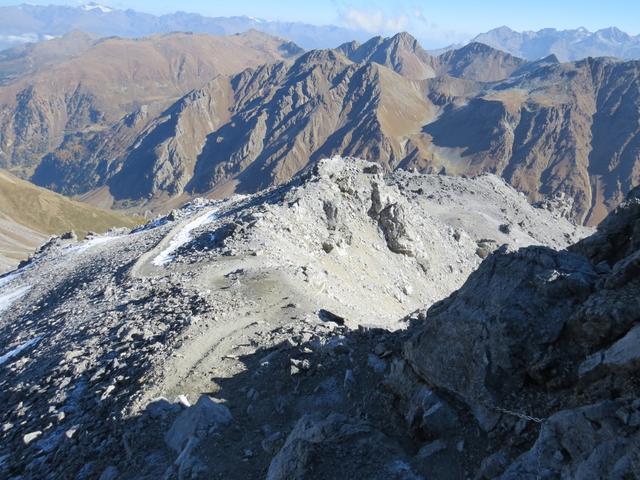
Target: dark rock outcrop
{"x":555,"y":334}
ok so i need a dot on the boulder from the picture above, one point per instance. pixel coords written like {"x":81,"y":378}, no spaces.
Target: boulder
{"x":394,"y":226}
{"x":586,"y":443}
{"x":623,"y":355}
{"x":31,"y":436}
{"x":196,"y":421}
{"x":337,"y":446}
{"x":110,"y":473}
{"x":430,"y":416}
{"x":161,"y":407}
{"x":493,"y":465}
{"x":431,"y":449}
{"x":392,"y":221}
{"x":479,"y":343}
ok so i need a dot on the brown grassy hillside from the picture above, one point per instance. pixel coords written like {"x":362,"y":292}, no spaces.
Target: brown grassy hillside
{"x":30,"y":214}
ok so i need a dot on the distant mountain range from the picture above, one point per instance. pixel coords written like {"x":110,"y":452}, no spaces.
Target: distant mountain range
{"x":566,"y":45}
{"x":30,"y":23}
{"x":150,"y":123}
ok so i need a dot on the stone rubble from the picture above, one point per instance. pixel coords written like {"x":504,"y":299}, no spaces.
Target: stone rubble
{"x":345,"y":325}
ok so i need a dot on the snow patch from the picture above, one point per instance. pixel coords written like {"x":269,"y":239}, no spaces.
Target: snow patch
{"x":96,"y":6}
{"x":86,"y":245}
{"x":16,"y":351}
{"x":158,"y":222}
{"x":183,"y":237}
{"x":8,"y":299}
{"x":9,"y":277}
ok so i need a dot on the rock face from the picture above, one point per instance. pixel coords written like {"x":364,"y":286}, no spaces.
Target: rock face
{"x":214,"y":135}
{"x":551,"y":129}
{"x":317,"y":448}
{"x":589,"y":442}
{"x":545,"y":333}
{"x":539,"y":132}
{"x":256,"y":334}
{"x":484,"y":343}
{"x":479,"y":62}
{"x":195,"y":421}
{"x":402,"y":53}
{"x":541,"y":140}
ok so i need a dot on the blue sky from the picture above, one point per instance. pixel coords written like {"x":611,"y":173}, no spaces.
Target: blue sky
{"x":435,"y":21}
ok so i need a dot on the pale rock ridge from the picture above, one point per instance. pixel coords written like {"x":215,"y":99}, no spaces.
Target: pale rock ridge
{"x":267,"y":311}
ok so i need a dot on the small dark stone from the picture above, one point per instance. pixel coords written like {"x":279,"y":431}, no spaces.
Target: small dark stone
{"x":327,"y":316}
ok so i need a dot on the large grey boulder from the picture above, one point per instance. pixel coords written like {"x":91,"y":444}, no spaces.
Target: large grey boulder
{"x":430,"y":416}
{"x":623,"y":355}
{"x":479,"y":343}
{"x":588,"y":443}
{"x":196,"y":421}
{"x":392,"y":221}
{"x":337,"y":446}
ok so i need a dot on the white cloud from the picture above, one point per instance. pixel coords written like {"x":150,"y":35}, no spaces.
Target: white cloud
{"x":432,"y":34}
{"x":374,"y":21}
{"x":24,"y":38}
{"x":406,"y":16}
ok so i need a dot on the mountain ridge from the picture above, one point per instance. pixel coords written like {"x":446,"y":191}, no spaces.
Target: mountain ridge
{"x":115,"y":77}
{"x":567,"y":45}
{"x":547,"y":127}
{"x":29,"y":23}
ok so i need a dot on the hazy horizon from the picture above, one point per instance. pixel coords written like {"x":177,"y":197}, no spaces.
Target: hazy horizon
{"x":435,"y":24}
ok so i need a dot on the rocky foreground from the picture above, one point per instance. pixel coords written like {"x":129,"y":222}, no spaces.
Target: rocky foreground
{"x":302,"y":333}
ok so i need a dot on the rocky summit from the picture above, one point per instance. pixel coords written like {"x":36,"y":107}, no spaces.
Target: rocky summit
{"x":347,"y":324}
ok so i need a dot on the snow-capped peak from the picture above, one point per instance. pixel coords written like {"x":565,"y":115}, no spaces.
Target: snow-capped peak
{"x":96,"y":6}
{"x":254,"y":19}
